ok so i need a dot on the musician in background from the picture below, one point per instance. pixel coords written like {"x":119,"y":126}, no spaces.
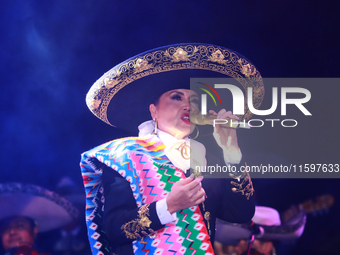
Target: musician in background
{"x":18,"y":231}
{"x":29,"y":210}
{"x":261,"y":237}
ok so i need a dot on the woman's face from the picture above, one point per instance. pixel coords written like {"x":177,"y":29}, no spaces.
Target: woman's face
{"x":173,"y":112}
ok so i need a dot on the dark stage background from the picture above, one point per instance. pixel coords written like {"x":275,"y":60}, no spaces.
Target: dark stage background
{"x":52,"y":51}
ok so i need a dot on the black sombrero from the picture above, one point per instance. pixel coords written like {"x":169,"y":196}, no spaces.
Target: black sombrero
{"x":47,"y":208}
{"x":130,"y":104}
{"x":266,"y":225}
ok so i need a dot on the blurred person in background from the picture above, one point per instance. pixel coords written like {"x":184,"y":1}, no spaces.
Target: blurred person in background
{"x":30,"y":210}
{"x":262,"y":236}
{"x":72,"y":239}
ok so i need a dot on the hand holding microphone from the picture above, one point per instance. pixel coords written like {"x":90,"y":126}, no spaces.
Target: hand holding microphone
{"x":225,"y":124}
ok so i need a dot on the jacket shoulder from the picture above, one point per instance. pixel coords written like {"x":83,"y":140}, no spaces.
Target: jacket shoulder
{"x":148,"y":143}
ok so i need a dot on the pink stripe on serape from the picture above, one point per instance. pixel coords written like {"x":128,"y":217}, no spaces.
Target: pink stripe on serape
{"x":150,"y":186}
{"x":169,"y":240}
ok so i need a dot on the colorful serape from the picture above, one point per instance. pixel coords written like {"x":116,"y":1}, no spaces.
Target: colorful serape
{"x":142,"y":162}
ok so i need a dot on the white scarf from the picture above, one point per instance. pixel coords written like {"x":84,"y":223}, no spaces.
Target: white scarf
{"x":178,"y":151}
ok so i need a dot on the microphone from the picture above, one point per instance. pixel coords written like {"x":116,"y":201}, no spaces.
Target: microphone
{"x":199,"y":119}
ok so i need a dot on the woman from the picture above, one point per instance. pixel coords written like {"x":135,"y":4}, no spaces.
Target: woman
{"x":140,"y":197}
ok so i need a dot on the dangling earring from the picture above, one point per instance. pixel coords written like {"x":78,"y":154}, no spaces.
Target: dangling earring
{"x":197,"y":133}
{"x":154,"y":132}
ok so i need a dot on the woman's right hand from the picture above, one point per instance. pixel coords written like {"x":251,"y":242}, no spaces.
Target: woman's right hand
{"x":185,"y":193}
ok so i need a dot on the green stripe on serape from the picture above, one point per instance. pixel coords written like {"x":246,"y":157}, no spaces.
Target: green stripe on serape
{"x":166,"y":172}
{"x":189,"y":230}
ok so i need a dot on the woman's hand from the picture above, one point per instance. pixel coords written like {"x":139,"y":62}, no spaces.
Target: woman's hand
{"x":185,"y":193}
{"x":226,"y":137}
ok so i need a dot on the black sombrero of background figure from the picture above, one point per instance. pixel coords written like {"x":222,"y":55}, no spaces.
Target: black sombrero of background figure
{"x":46,"y":208}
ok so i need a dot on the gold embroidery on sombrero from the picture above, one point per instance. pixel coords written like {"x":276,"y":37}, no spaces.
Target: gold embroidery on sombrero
{"x":247,"y":69}
{"x":142,"y":65}
{"x":218,"y":57}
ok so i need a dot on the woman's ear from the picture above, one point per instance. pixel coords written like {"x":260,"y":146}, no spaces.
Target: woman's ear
{"x":153,"y":111}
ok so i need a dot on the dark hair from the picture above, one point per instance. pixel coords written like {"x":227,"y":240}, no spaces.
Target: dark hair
{"x":5,"y":223}
{"x":155,"y":101}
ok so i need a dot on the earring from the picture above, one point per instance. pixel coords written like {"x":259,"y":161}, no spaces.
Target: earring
{"x":197,"y":133}
{"x":154,"y":132}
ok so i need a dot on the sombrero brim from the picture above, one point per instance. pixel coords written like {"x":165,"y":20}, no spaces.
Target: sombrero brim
{"x":128,"y":100}
{"x":231,"y":234}
{"x":48,"y":209}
